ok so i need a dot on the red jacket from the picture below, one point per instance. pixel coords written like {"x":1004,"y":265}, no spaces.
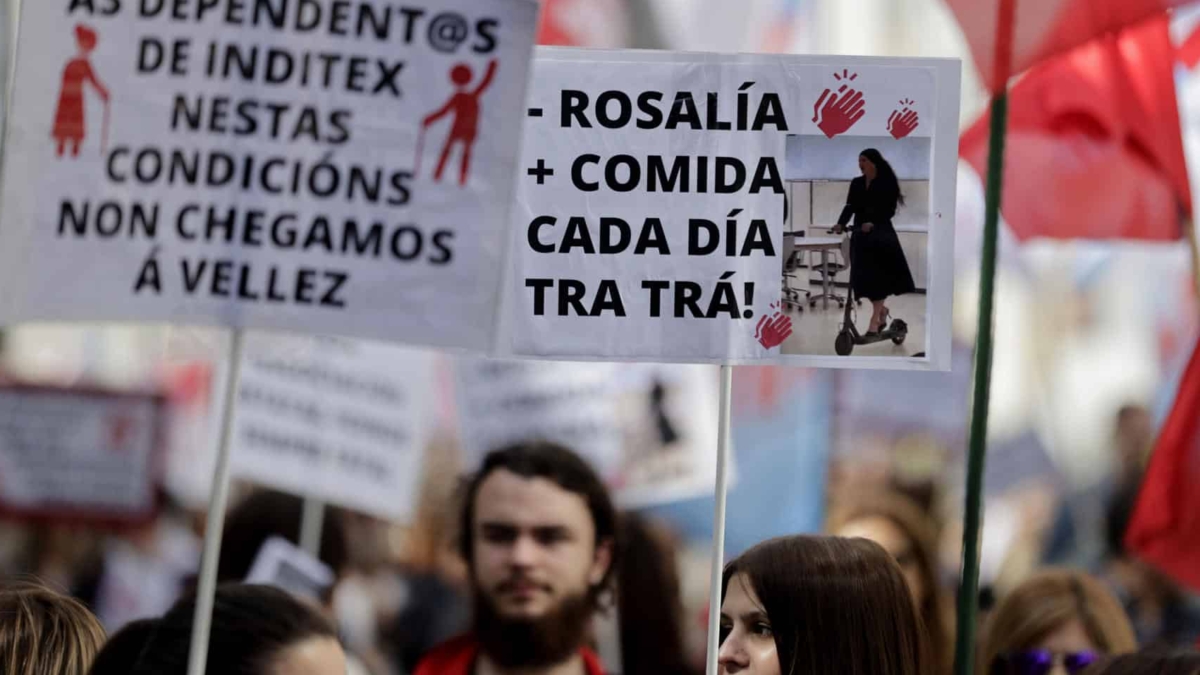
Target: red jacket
{"x":457,"y":657}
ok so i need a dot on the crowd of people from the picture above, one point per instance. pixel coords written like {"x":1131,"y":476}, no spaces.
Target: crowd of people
{"x":531,"y":559}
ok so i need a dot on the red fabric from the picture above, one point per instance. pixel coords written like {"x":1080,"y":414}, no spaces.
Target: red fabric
{"x":1094,"y":148}
{"x":458,"y":656}
{"x":582,"y":23}
{"x":1165,"y":527}
{"x":1189,"y":51}
{"x":1044,"y":28}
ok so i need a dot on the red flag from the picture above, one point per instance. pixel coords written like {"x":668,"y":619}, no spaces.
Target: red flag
{"x":1044,"y":28}
{"x":1095,"y":148}
{"x":583,"y":23}
{"x":1164,"y":529}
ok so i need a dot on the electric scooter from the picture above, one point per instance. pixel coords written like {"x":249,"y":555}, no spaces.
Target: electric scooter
{"x":849,"y":336}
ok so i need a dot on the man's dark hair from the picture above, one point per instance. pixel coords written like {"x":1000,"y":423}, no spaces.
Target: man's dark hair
{"x":269,"y":513}
{"x":558,"y":465}
{"x":251,"y":625}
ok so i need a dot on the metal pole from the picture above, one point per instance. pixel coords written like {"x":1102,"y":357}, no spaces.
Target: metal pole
{"x":207,"y":589}
{"x":718,"y":545}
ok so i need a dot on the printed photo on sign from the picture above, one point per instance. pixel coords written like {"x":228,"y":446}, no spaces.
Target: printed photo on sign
{"x":648,"y":429}
{"x":681,"y":207}
{"x":314,"y":167}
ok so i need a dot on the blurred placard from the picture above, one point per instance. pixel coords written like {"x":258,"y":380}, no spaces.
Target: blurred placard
{"x":649,"y":430}
{"x":72,"y":454}
{"x":343,"y":421}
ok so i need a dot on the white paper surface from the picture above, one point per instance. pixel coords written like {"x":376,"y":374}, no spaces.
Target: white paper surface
{"x":344,"y":421}
{"x":280,"y":176}
{"x":615,"y":127}
{"x":650,"y":431}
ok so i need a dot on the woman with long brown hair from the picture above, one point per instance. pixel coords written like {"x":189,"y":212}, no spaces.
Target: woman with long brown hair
{"x":819,"y":606}
{"x":1057,"y":622}
{"x":903,"y":530}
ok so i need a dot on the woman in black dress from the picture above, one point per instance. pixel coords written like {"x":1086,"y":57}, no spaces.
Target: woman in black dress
{"x":878,"y":268}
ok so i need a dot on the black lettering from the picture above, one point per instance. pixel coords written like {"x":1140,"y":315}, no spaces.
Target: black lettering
{"x":539,"y":287}
{"x":648,"y":105}
{"x":574,"y":105}
{"x":330,"y":298}
{"x":656,"y":288}
{"x":698,"y":227}
{"x":151,"y":55}
{"x":486,"y":30}
{"x":577,"y":178}
{"x":687,"y":297}
{"x":445,"y":254}
{"x":623,"y":233}
{"x":305,"y":285}
{"x":191,"y":280}
{"x":222,"y":276}
{"x":624,"y":109}
{"x":634,"y":175}
{"x":577,"y":236}
{"x":570,"y":297}
{"x":534,"y":242}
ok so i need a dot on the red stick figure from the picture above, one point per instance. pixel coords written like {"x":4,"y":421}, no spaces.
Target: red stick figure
{"x":465,"y":106}
{"x":70,"y":121}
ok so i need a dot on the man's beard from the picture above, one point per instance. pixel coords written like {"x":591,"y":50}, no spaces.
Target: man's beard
{"x":539,"y":642}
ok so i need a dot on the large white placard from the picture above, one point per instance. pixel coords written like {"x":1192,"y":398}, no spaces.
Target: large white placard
{"x":79,"y":455}
{"x":340,"y":420}
{"x":324,"y":166}
{"x":649,"y":430}
{"x":651,"y":203}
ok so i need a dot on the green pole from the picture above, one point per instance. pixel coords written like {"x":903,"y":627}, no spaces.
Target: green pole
{"x":968,"y":598}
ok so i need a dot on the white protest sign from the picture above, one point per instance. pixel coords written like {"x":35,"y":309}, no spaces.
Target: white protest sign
{"x":300,"y":165}
{"x":648,"y":430}
{"x":79,"y":455}
{"x":344,"y":421}
{"x":281,"y":564}
{"x":650,"y":218}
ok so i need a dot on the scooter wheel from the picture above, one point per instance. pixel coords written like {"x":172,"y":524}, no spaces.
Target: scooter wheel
{"x":844,"y":344}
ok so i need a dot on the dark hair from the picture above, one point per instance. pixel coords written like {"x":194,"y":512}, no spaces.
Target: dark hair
{"x":553,"y":462}
{"x":251,"y":625}
{"x":921,"y":533}
{"x":650,"y":600}
{"x":884,"y":172}
{"x":123,"y":649}
{"x":1168,"y":663}
{"x":265,"y":514}
{"x":837,"y":606}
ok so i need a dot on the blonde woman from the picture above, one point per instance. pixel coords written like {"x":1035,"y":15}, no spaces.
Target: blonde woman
{"x":45,"y":633}
{"x":1057,"y":622}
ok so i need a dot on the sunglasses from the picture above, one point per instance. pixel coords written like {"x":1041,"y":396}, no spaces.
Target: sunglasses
{"x":1041,"y":662}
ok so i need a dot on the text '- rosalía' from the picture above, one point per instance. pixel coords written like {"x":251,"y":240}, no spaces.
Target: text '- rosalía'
{"x":615,"y":109}
{"x":722,"y":299}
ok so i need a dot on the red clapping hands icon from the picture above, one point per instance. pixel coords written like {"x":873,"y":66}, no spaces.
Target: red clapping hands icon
{"x":773,"y":330}
{"x":835,"y":112}
{"x":903,"y":121}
